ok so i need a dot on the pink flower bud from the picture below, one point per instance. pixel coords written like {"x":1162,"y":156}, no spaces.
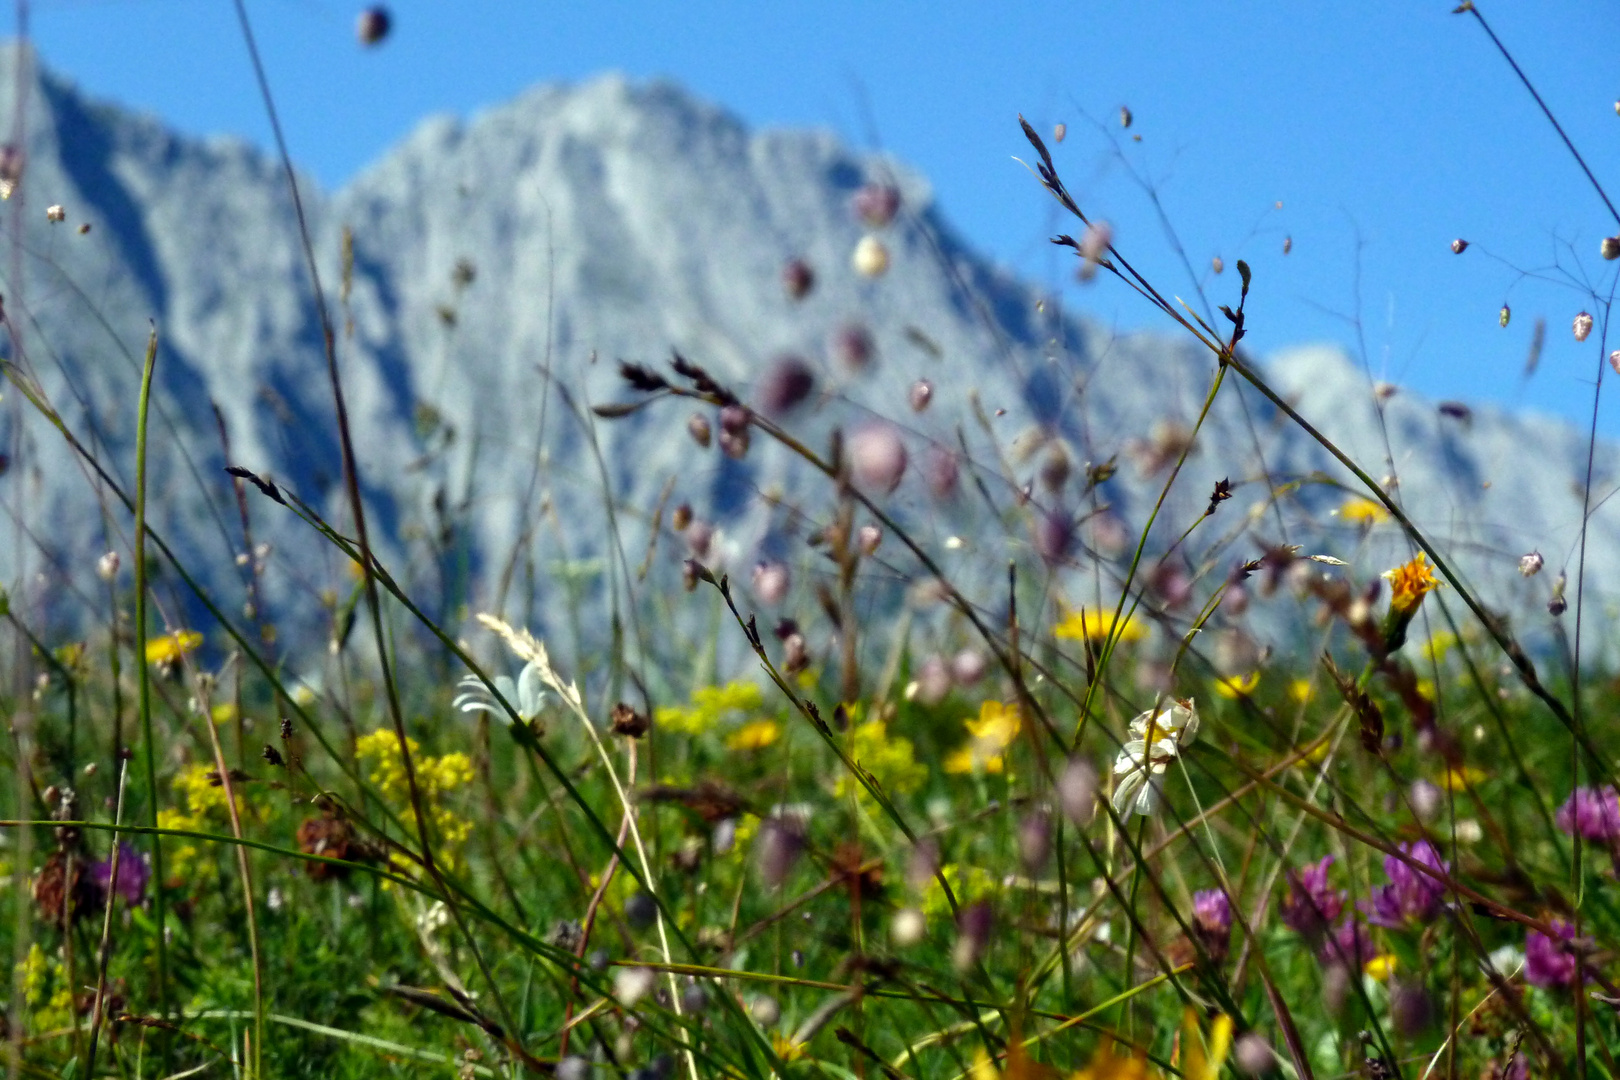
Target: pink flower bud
{"x":922,"y":392}
{"x":853,"y":347}
{"x":699,"y":536}
{"x":1094,"y":244}
{"x":697,"y":426}
{"x":771,"y":582}
{"x":1583,"y":326}
{"x":1530,"y":565}
{"x":1217,"y":264}
{"x":878,"y":457}
{"x":1614,"y":361}
{"x":373,"y":24}
{"x":870,"y":258}
{"x":1253,"y":1056}
{"x":1058,"y":131}
{"x":933,"y":681}
{"x":876,"y":204}
{"x":1077,"y":792}
{"x":941,"y":470}
{"x":1054,"y":536}
{"x":867,"y":539}
{"x":967,"y":667}
{"x":734,"y":418}
{"x":1458,"y":246}
{"x":107,"y":566}
{"x":786,"y":384}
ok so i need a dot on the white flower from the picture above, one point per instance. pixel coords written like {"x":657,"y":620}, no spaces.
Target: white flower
{"x":524,"y":695}
{"x":1158,"y":735}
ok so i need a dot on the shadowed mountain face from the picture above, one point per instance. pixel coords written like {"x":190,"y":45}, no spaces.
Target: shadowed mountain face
{"x":499,"y":270}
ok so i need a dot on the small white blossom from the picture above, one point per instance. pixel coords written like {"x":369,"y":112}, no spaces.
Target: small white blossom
{"x":1530,"y":565}
{"x":524,"y":695}
{"x":1583,"y":326}
{"x":1158,"y":736}
{"x":55,"y":214}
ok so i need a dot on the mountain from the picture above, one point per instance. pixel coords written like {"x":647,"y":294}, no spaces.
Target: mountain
{"x":501,"y":267}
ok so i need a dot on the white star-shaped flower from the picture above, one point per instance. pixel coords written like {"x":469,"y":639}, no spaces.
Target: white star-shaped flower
{"x":1158,"y":735}
{"x":524,"y":695}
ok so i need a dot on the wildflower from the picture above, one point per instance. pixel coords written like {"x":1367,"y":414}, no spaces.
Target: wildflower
{"x":1557,"y":604}
{"x":1077,"y":792}
{"x":1457,"y":777}
{"x":870,"y":258}
{"x":1548,"y":961}
{"x":631,"y":984}
{"x":107,"y":566}
{"x":1311,"y":905}
{"x":55,"y":214}
{"x":1593,"y":813}
{"x":771,"y":582}
{"x":908,"y":927}
{"x":697,"y":426}
{"x":524,"y":695}
{"x":1212,"y":922}
{"x":942,"y":470}
{"x":1411,"y":897}
{"x":1614,"y":361}
{"x":1107,"y":1065}
{"x":1253,"y":1055}
{"x":167,"y":649}
{"x":878,"y":457}
{"x":932,"y":683}
{"x":1035,"y":840}
{"x":1094,"y":245}
{"x":1582,"y":326}
{"x":1301,"y":690}
{"x":1458,"y":246}
{"x":1236,"y":686}
{"x":777,"y":847}
{"x":754,"y":736}
{"x":973,"y":925}
{"x":1089,"y":624}
{"x":1218,"y":264}
{"x":867,"y":539}
{"x":1159,"y":735}
{"x":133,"y":874}
{"x":785,"y":385}
{"x":1409,"y":584}
{"x":967,"y":667}
{"x":1366,"y":512}
{"x":992,"y":732}
{"x":709,"y":704}
{"x":1348,"y":946}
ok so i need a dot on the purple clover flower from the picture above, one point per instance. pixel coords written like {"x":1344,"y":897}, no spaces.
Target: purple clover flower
{"x":1349,"y":945}
{"x":1594,"y":813}
{"x":134,"y":873}
{"x":1311,"y":905}
{"x":1411,"y":895}
{"x":1548,"y":962}
{"x":1212,"y":922}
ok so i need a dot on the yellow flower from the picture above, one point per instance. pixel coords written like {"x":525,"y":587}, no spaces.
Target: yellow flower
{"x":1201,"y":1060}
{"x":1382,"y":967}
{"x":168,"y":648}
{"x":787,"y":1048}
{"x":1463,"y":778}
{"x":198,"y":784}
{"x":1441,"y":643}
{"x":709,"y":705}
{"x":1088,"y":624}
{"x":756,"y":735}
{"x":992,"y":732}
{"x":223,"y":713}
{"x":1359,"y":511}
{"x":968,"y":883}
{"x":1409,"y":583}
{"x":1236,"y":686}
{"x":1301,"y":690}
{"x":179,"y":862}
{"x":1107,"y":1065}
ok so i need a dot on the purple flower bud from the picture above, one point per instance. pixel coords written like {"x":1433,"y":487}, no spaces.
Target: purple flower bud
{"x":1311,"y":905}
{"x":876,"y":204}
{"x":1411,"y":1009}
{"x":1055,"y":470}
{"x":1253,"y":1055}
{"x":699,"y":535}
{"x":1427,"y":800}
{"x":778,"y":847}
{"x":941,"y":470}
{"x":922,"y":864}
{"x":933,"y":681}
{"x":1594,"y":813}
{"x":734,"y":418}
{"x":734,"y":444}
{"x":867,"y":539}
{"x":1094,"y":247}
{"x":1108,"y":533}
{"x":786,"y":384}
{"x":922,"y":392}
{"x":967,"y":667}
{"x":1035,"y":841}
{"x":797,"y":279}
{"x":1212,"y":922}
{"x":1548,"y":961}
{"x":1349,"y":946}
{"x":1054,"y":536}
{"x":771,"y":582}
{"x":853,"y":347}
{"x":878,"y":457}
{"x":1077,"y":792}
{"x":697,"y":426}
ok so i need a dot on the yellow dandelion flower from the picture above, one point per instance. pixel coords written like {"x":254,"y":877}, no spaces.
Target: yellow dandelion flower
{"x":1236,"y":686}
{"x":168,"y":648}
{"x":991,"y":732}
{"x":756,"y":735}
{"x":786,"y":1047}
{"x":1409,"y":583}
{"x":1091,"y":624}
{"x":1359,"y":511}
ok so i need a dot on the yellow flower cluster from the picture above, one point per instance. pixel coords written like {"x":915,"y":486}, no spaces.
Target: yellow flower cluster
{"x":46,"y":991}
{"x":888,"y":758}
{"x":754,"y":735}
{"x":1359,"y":511}
{"x":709,"y":705}
{"x":179,"y":862}
{"x":197,"y":786}
{"x":435,"y":777}
{"x":168,"y":648}
{"x":968,"y":883}
{"x":1090,"y":624}
{"x":200,"y":797}
{"x":992,"y":732}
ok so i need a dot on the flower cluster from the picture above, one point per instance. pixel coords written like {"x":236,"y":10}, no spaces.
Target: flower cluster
{"x":1312,"y":905}
{"x":889,"y":758}
{"x":995,"y":728}
{"x":1412,"y":898}
{"x":435,"y":778}
{"x":1548,"y":961}
{"x":1593,"y":813}
{"x":710,"y":704}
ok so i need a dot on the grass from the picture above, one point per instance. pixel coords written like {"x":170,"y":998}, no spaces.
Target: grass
{"x":1000,"y":834}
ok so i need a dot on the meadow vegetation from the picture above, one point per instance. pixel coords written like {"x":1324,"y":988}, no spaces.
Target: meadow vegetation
{"x":1089,"y":830}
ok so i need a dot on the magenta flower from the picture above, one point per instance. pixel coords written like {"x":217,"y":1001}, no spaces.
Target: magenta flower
{"x":1311,"y":905}
{"x":1212,"y":922}
{"x":133,"y":874}
{"x":1548,"y":962}
{"x":1349,"y":945}
{"x":1411,"y":897}
{"x":1594,"y":813}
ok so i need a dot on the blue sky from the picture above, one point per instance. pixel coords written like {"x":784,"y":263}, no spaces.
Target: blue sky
{"x":1384,"y":127}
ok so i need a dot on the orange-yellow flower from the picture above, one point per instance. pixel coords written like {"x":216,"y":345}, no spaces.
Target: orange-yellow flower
{"x":168,"y":648}
{"x":1089,"y":624}
{"x":1409,"y":583}
{"x":1236,"y":686}
{"x":755,"y":735}
{"x":992,"y":732}
{"x":1359,"y":511}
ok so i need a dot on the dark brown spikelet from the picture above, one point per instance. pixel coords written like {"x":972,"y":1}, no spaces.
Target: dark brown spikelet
{"x":701,"y":380}
{"x":273,"y":756}
{"x":1222,"y":492}
{"x":628,"y":722}
{"x":52,"y":890}
{"x":642,"y":378}
{"x":332,"y":837}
